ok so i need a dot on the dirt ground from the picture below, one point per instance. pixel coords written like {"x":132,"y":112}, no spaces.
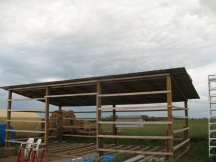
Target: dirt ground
{"x":14,"y":159}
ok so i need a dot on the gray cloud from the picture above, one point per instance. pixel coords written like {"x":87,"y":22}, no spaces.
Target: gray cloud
{"x":51,"y":40}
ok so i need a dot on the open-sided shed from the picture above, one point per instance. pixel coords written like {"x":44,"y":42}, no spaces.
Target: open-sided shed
{"x":150,"y":91}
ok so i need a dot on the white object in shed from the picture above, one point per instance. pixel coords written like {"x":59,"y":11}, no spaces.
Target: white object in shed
{"x":129,"y":119}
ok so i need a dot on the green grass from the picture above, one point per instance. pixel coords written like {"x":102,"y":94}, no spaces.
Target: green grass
{"x":198,"y":134}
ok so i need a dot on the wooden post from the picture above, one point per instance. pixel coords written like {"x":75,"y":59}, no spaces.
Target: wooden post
{"x":7,"y":144}
{"x":169,"y":107}
{"x":46,"y":134}
{"x":114,"y":125}
{"x":98,"y":118}
{"x":186,"y":132}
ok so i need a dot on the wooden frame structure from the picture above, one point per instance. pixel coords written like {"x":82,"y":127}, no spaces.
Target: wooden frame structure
{"x":152,"y":87}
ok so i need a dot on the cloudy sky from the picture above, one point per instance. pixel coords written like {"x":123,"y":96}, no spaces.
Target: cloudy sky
{"x":45,"y":40}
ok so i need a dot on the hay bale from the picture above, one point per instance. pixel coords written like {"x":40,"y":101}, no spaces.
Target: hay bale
{"x":81,"y":123}
{"x":68,"y":114}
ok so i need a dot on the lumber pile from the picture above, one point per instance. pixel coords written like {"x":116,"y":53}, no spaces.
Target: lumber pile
{"x":65,"y":122}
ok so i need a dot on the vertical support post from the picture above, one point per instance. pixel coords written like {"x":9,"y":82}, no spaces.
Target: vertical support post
{"x":114,"y":125}
{"x":169,"y":107}
{"x":98,"y":118}
{"x":7,"y":144}
{"x":46,"y":134}
{"x":186,"y":133}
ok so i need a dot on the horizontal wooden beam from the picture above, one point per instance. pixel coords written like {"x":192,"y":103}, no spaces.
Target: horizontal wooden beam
{"x":23,"y":131}
{"x":137,"y":137}
{"x":81,"y":112}
{"x":74,"y":126}
{"x":181,"y":144}
{"x":26,"y":138}
{"x":181,"y":130}
{"x":17,"y":141}
{"x":117,"y":122}
{"x":180,"y":117}
{"x":26,"y":99}
{"x":179,"y":107}
{"x":133,"y":110}
{"x":89,"y":119}
{"x":71,"y":95}
{"x":136,"y":152}
{"x":30,"y":111}
{"x":84,"y":136}
{"x":133,"y":94}
{"x":135,"y":77}
{"x":182,"y":153}
{"x":27,"y":121}
{"x":132,"y":107}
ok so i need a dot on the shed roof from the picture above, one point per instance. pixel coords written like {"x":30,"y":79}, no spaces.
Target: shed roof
{"x":182,"y":88}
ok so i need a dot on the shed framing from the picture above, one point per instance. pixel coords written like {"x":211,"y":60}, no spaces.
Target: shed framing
{"x":160,"y":88}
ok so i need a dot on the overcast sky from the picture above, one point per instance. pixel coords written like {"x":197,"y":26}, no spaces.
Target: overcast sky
{"x":45,"y":40}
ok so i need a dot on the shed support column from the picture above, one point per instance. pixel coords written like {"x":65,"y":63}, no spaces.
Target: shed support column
{"x":99,"y":141}
{"x":114,"y":125}
{"x":169,"y":107}
{"x":186,"y":133}
{"x":7,"y":144}
{"x":46,"y":134}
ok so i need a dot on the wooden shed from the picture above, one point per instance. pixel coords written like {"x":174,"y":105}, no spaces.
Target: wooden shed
{"x":150,"y":91}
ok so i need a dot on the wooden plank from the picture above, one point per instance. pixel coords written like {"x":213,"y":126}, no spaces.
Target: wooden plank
{"x":99,"y":141}
{"x":46,"y":134}
{"x":80,"y":112}
{"x":133,"y":93}
{"x":132,"y":107}
{"x":7,"y":144}
{"x":67,"y":147}
{"x":17,"y":141}
{"x":181,"y":130}
{"x":133,"y":110}
{"x":137,"y":152}
{"x":30,"y":111}
{"x":76,"y":126}
{"x":23,"y":131}
{"x":179,"y":107}
{"x":137,"y":137}
{"x":115,"y":129}
{"x":88,"y":119}
{"x":26,"y":99}
{"x":186,"y":133}
{"x":182,"y":153}
{"x":70,"y":95}
{"x":153,"y":122}
{"x":169,"y":114}
{"x":81,"y":136}
{"x":135,"y":158}
{"x":181,"y":144}
{"x":26,"y":121}
{"x":135,"y":77}
{"x":34,"y":138}
{"x":180,"y":117}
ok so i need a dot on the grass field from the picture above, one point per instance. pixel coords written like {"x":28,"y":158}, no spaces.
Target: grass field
{"x":198,"y":134}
